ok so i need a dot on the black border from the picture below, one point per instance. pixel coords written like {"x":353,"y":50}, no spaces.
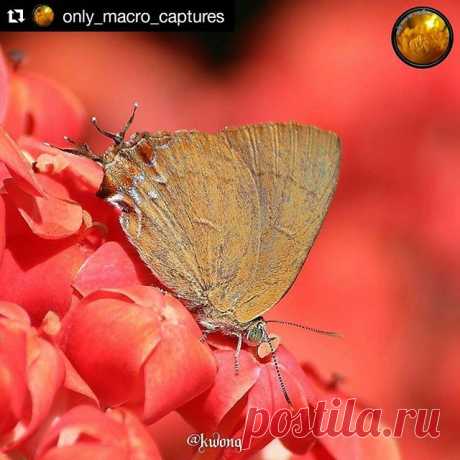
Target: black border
{"x":395,"y":43}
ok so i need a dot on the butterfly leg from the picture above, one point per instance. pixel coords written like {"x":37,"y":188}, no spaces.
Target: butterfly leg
{"x":204,"y":336}
{"x":237,"y":354}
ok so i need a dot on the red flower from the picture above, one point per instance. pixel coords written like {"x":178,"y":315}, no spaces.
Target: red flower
{"x":112,"y":265}
{"x":29,"y":94}
{"x":2,"y":228}
{"x":4,"y":86}
{"x":137,"y":347}
{"x":385,"y":260}
{"x":32,"y":371}
{"x":39,"y":219}
{"x":87,"y":433}
{"x":223,"y":408}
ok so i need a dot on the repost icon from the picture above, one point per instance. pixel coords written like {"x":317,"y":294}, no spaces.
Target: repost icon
{"x":15,"y":16}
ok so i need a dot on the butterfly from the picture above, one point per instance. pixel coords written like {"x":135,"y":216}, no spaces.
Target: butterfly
{"x":224,"y":220}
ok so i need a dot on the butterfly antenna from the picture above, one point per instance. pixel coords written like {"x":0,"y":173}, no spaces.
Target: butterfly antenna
{"x":278,"y":371}
{"x":306,"y":328}
{"x":82,"y":150}
{"x":119,"y":137}
{"x":130,"y":120}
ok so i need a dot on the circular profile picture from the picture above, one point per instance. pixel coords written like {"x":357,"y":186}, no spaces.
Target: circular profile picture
{"x":43,"y":15}
{"x":422,"y":37}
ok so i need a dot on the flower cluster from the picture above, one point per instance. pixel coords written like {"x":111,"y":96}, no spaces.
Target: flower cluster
{"x":92,"y":353}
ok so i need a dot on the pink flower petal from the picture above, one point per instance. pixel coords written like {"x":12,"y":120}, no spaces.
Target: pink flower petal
{"x":42,"y":108}
{"x":87,"y":433}
{"x":40,"y":280}
{"x":110,"y":267}
{"x":267,"y":394}
{"x":108,"y":341}
{"x":82,"y":423}
{"x":139,"y":440}
{"x":85,"y":451}
{"x":47,"y":217}
{"x":180,"y":357}
{"x":42,"y":374}
{"x":45,"y":377}
{"x":74,"y":382}
{"x":19,"y":168}
{"x":207,"y":411}
{"x":2,"y":227}
{"x":14,"y":312}
{"x":4,"y":80}
{"x":85,"y":174}
{"x":13,"y":389}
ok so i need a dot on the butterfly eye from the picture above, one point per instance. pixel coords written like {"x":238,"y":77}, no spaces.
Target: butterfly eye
{"x":255,"y":334}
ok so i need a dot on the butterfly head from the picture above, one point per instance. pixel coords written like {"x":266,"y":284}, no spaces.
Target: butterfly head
{"x":256,"y":332}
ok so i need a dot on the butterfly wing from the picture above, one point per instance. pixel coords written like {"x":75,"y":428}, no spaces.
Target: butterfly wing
{"x":295,"y":168}
{"x":196,"y":222}
{"x":227,"y":220}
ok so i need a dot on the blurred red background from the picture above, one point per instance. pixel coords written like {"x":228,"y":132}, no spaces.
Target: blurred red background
{"x":385,"y":268}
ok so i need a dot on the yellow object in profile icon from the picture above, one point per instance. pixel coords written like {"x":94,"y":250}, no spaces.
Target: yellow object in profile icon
{"x":422,"y":37}
{"x":43,"y":15}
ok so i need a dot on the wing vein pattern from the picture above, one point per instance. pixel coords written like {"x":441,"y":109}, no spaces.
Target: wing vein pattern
{"x":238,"y":213}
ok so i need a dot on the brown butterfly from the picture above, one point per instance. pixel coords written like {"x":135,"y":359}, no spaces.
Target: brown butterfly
{"x":224,"y":220}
